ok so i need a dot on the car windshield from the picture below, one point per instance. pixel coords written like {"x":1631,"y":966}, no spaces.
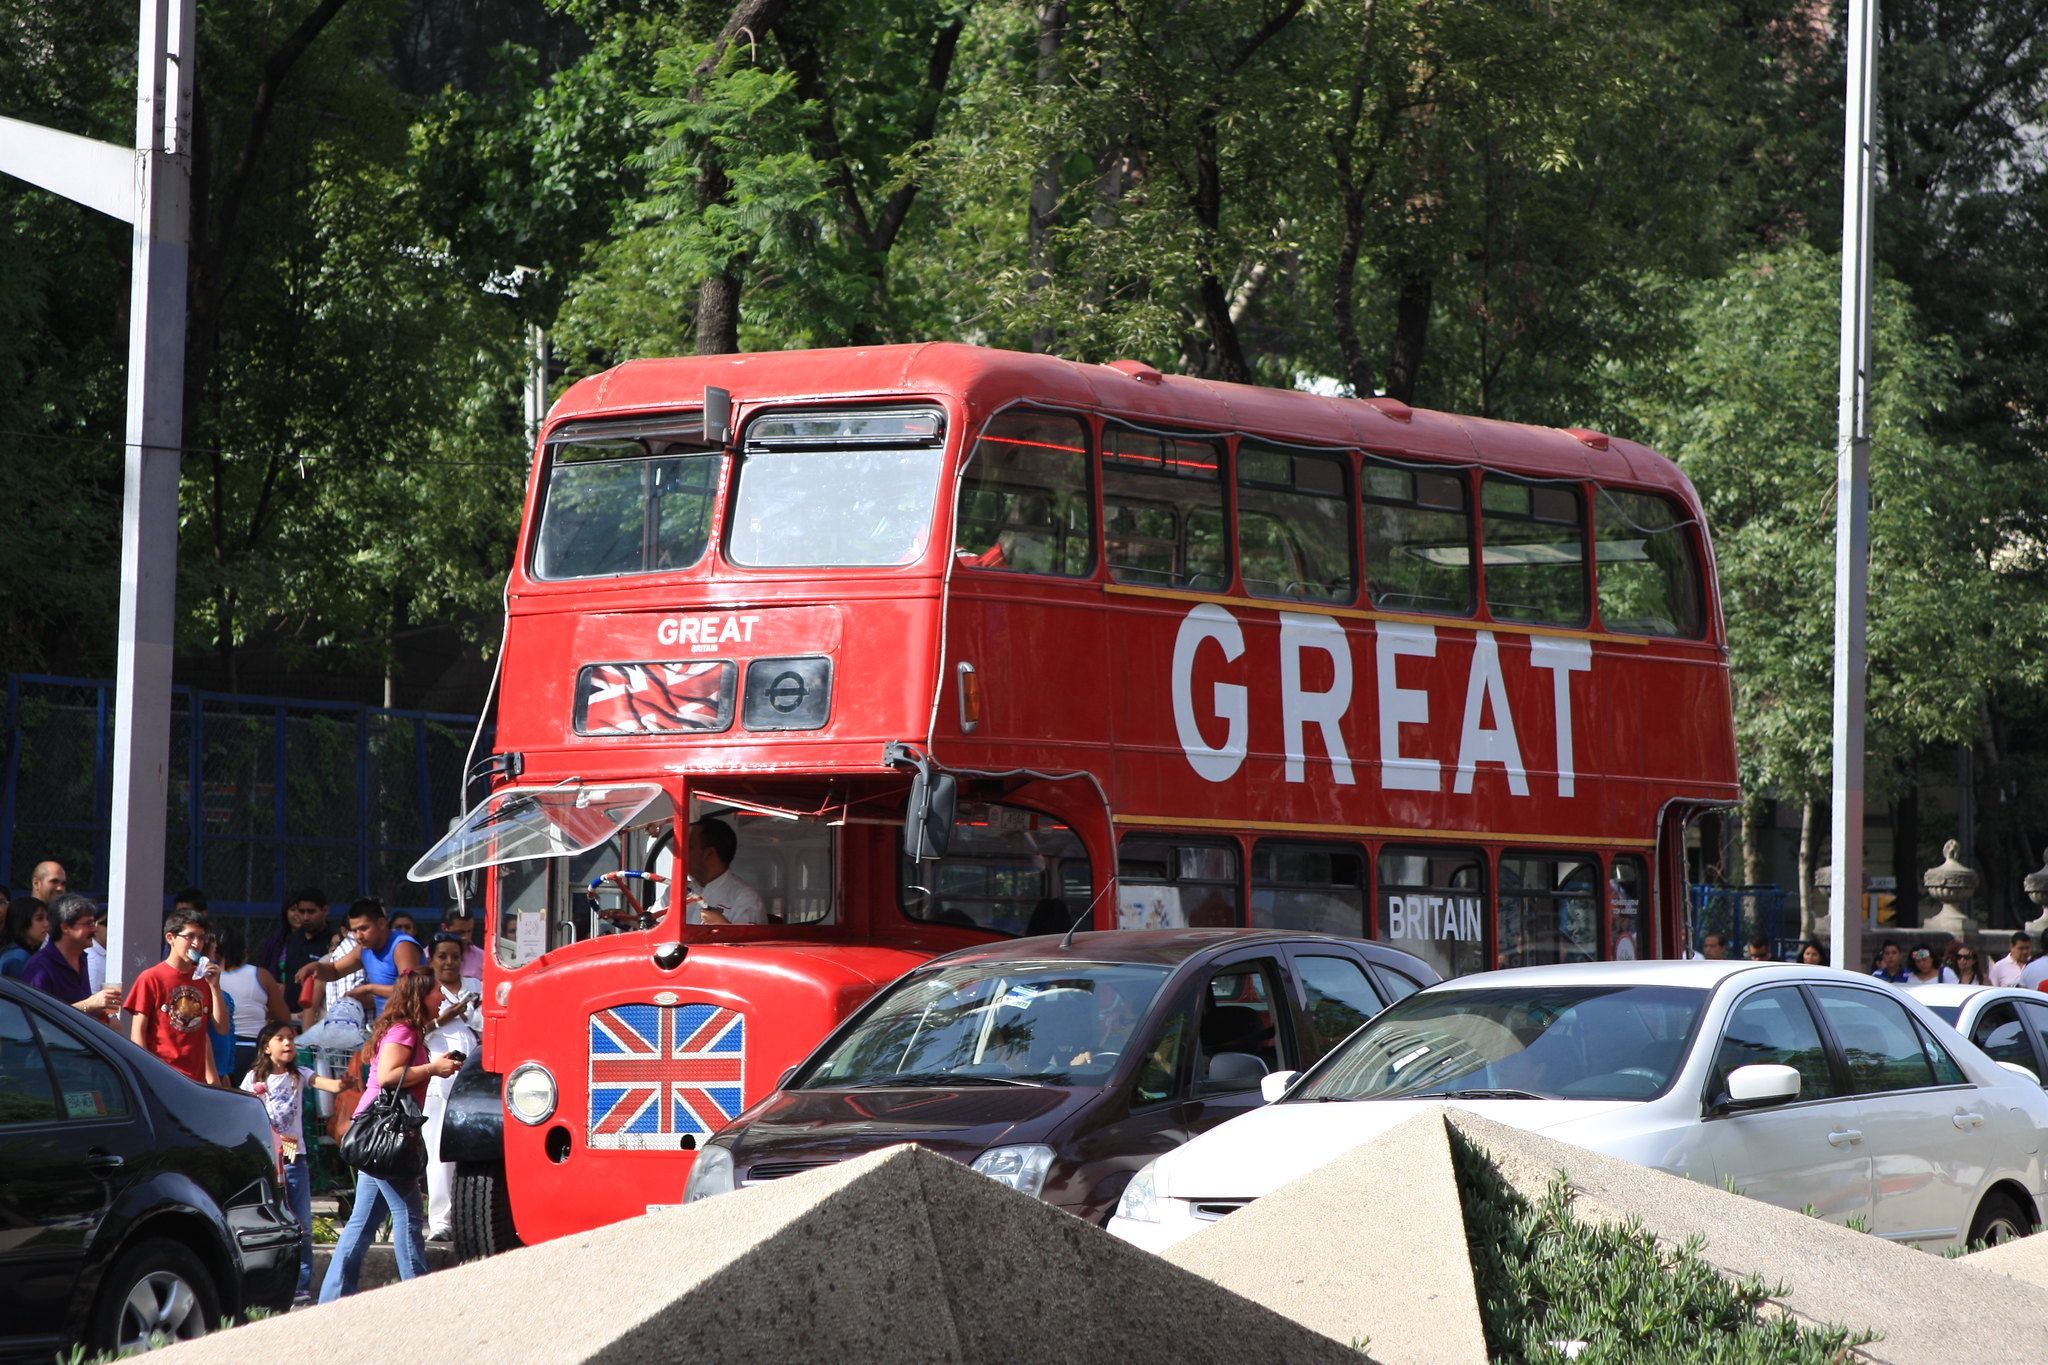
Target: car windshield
{"x":994,"y":1023}
{"x":1548,"y":1042}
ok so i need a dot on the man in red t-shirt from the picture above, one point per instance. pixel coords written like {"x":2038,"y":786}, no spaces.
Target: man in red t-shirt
{"x":172,"y":1003}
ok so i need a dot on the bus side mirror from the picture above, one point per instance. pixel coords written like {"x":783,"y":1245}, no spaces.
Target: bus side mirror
{"x":928,"y":820}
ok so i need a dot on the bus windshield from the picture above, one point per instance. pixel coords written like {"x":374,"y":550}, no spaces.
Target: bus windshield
{"x":994,"y":1023}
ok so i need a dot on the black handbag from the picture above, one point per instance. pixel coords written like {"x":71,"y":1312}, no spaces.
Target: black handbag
{"x":385,"y":1140}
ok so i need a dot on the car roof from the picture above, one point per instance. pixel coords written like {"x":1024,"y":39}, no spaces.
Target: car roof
{"x":1163,"y":947}
{"x":1948,"y":993}
{"x":1697,"y":972}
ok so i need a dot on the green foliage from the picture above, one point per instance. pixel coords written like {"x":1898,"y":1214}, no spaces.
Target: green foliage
{"x":1544,"y":1278}
{"x":1747,"y":408}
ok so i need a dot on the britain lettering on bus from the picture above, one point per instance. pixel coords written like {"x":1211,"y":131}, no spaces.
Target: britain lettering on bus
{"x":905,"y":648}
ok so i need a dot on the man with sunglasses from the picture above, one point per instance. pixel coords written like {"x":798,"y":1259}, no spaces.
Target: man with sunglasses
{"x":173,"y":1001}
{"x":58,"y":968}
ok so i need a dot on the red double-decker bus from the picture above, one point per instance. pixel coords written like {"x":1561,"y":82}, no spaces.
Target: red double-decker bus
{"x":957,"y":644}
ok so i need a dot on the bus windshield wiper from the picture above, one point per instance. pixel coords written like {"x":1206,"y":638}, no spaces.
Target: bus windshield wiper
{"x":924,"y":1078}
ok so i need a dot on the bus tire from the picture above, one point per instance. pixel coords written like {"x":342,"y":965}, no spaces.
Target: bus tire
{"x":482,"y":1211}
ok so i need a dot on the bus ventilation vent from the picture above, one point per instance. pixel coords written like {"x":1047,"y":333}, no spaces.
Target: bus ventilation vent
{"x":1597,"y":440}
{"x":1392,"y":407}
{"x":1138,"y":370}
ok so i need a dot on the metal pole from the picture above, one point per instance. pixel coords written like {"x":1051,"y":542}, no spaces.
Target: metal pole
{"x":165,"y":75}
{"x":1852,"y":498}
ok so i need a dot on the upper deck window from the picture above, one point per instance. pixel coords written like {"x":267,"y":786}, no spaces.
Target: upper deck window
{"x":1535,"y":551}
{"x":1418,"y":539}
{"x":1294,"y":524}
{"x":848,"y":487}
{"x":1025,"y":504}
{"x":1649,"y":576}
{"x":1162,"y":500}
{"x":625,"y":498}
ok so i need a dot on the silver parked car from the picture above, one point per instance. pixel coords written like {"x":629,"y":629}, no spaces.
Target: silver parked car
{"x":1800,"y":1086}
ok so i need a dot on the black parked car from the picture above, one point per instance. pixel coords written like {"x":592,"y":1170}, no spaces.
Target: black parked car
{"x":1061,"y":1067}
{"x":132,"y":1200}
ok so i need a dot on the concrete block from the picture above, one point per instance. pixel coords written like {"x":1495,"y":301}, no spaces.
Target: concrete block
{"x":2025,"y":1259}
{"x":901,"y":1255}
{"x":1834,"y":1275}
{"x":1370,"y":1246}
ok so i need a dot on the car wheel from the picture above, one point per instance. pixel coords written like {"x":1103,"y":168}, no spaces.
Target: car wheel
{"x":1999,"y":1219}
{"x":482,"y":1211}
{"x":156,"y":1289}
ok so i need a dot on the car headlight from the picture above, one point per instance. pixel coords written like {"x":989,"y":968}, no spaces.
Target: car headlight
{"x":1023,"y":1169}
{"x":530,"y":1093}
{"x":1140,"y":1203}
{"x":710,"y":1174}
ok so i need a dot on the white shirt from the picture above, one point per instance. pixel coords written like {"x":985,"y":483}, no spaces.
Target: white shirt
{"x":740,"y":903}
{"x":284,"y":1098}
{"x":2006,"y":972}
{"x":2035,"y":974}
{"x":95,"y":966}
{"x":340,"y":1009}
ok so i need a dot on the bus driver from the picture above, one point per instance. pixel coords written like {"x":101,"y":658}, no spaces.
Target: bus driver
{"x":721,"y":897}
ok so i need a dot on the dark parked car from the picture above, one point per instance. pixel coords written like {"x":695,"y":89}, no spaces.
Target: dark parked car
{"x":132,"y":1200}
{"x":1060,"y":1068}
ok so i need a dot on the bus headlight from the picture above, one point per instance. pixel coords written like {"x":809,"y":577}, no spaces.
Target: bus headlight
{"x":1140,"y":1203}
{"x":710,"y":1173}
{"x":1023,"y":1169}
{"x":530,"y":1093}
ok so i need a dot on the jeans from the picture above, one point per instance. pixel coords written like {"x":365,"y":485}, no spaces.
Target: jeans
{"x":375,"y":1197}
{"x":298,"y":1187}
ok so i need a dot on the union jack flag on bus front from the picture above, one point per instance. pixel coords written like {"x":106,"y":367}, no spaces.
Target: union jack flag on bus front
{"x":654,"y":698}
{"x":659,"y":1073}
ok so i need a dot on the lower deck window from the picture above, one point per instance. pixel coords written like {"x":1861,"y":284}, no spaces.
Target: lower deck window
{"x":1433,"y":904}
{"x":1007,"y":869}
{"x":1318,"y":888}
{"x":1549,"y":908}
{"x":1165,"y":883}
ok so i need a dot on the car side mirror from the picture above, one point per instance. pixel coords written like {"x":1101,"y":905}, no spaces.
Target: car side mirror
{"x":2017,"y":1069}
{"x":1232,"y":1071}
{"x":1759,"y":1086}
{"x":1274,"y":1084}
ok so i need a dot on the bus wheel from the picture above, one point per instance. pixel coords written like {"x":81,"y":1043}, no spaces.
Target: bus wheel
{"x":482,"y":1211}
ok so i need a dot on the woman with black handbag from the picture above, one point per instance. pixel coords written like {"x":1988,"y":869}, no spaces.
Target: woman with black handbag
{"x":383,"y":1142}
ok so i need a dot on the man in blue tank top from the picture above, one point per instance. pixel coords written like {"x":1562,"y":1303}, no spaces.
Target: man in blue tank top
{"x":379,"y":953}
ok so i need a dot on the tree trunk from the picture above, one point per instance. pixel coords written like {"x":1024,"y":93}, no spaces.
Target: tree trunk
{"x":1225,"y":355}
{"x":1411,"y":334}
{"x":1806,"y":852}
{"x":718,"y":313}
{"x":718,"y":298}
{"x":1754,"y":812}
{"x":1045,"y":183}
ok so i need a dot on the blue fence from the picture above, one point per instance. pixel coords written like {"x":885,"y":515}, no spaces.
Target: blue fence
{"x":1744,"y":914}
{"x":267,"y":794}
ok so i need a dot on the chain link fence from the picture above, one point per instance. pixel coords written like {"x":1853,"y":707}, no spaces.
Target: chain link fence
{"x":267,"y":794}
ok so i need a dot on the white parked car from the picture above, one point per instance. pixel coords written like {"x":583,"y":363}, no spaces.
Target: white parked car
{"x":1801,"y":1086}
{"x":2009,"y":1024}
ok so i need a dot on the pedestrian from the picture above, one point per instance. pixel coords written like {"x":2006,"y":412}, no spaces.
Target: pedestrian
{"x":1714,"y":947}
{"x":27,"y":929}
{"x":48,"y":881}
{"x":1760,"y":950}
{"x":58,"y":967}
{"x":402,"y":922}
{"x":96,"y":956}
{"x":300,"y":936}
{"x":402,"y":1061}
{"x":458,"y":921}
{"x":458,"y":1028}
{"x":253,"y":994}
{"x":2008,"y":970}
{"x":1811,"y":954}
{"x":380,"y":952}
{"x":1891,"y":963}
{"x":281,"y":1083}
{"x":2035,"y":977}
{"x":1923,"y":970}
{"x":173,"y":1002}
{"x":1961,"y":961}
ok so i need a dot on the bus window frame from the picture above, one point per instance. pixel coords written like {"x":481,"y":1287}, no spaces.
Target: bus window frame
{"x":1367,"y":908}
{"x":670,"y":430}
{"x":1349,"y":499}
{"x":1226,"y":504}
{"x":1577,"y":488}
{"x":1482,"y":857}
{"x":1550,"y":897}
{"x":946,"y":472}
{"x":1176,"y":842}
{"x":1466,"y":476}
{"x":1055,"y":873}
{"x":1090,"y":425}
{"x":1690,"y":525}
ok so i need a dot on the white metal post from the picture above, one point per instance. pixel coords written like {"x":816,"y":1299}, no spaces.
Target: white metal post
{"x":149,"y":187}
{"x":1852,"y":495}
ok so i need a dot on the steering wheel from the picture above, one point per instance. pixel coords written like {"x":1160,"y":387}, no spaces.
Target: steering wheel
{"x":616,"y":881}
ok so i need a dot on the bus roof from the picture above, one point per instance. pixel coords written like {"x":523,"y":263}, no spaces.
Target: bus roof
{"x":986,"y":379}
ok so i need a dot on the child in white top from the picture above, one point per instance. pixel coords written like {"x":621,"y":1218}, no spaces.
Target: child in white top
{"x":281,"y":1083}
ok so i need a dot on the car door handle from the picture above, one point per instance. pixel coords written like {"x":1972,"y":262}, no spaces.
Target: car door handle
{"x":1968,"y":1121}
{"x":104,"y":1163}
{"x":1844,"y":1137}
